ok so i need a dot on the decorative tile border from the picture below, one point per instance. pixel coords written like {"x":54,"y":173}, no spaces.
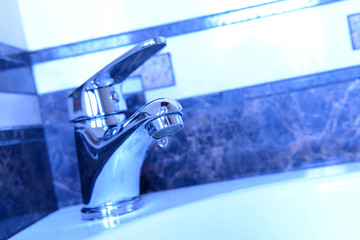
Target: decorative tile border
{"x":354,"y":25}
{"x":265,"y":9}
{"x":15,"y":71}
{"x":15,"y":135}
{"x":11,"y":57}
{"x":6,"y":50}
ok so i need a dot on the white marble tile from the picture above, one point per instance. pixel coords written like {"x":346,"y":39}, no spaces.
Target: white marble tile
{"x":71,"y":72}
{"x":19,"y":110}
{"x":58,"y":22}
{"x":244,"y":54}
{"x":11,"y":27}
{"x":261,"y":51}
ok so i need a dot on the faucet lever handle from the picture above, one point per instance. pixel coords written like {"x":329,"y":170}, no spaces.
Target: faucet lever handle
{"x":101,"y":95}
{"x":118,"y":70}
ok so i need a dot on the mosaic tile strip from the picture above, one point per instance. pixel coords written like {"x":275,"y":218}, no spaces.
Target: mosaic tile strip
{"x":354,"y":25}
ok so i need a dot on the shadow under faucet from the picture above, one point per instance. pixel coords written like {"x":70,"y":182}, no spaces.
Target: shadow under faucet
{"x":110,"y":148}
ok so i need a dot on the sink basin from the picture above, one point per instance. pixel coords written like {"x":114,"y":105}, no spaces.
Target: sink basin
{"x":321,"y":203}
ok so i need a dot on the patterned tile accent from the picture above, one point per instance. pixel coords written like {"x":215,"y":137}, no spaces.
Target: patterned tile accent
{"x":26,"y":187}
{"x":157,"y":72}
{"x":354,"y":25}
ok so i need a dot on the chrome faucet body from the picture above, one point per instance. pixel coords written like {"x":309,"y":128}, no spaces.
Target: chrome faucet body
{"x":110,"y":148}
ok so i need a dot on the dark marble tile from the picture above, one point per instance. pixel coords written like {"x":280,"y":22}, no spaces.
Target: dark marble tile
{"x":12,"y":136}
{"x":7,"y":63}
{"x":289,"y":131}
{"x":26,"y":187}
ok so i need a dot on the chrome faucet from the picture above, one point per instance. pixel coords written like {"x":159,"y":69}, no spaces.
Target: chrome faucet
{"x":110,"y":148}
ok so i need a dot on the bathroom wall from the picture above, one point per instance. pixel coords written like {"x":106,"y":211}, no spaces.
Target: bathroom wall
{"x":26,"y":189}
{"x":265,"y":88}
{"x":11,"y":26}
{"x":246,"y":84}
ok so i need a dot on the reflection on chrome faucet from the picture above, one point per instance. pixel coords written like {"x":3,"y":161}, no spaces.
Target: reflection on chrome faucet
{"x":111,"y":148}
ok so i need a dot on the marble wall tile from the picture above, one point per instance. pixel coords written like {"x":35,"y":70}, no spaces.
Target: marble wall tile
{"x":283,"y":126}
{"x":282,"y":132}
{"x":26,"y":189}
{"x":19,"y":110}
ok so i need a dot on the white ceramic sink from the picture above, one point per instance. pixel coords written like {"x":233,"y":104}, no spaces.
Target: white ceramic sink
{"x":321,"y":203}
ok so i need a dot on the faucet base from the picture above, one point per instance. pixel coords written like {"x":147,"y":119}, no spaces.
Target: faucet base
{"x":111,"y":209}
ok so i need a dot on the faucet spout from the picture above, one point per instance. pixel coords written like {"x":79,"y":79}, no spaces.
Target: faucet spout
{"x":110,"y":148}
{"x":110,"y":163}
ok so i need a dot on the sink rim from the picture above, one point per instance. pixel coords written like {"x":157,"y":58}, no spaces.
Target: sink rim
{"x":68,"y":219}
